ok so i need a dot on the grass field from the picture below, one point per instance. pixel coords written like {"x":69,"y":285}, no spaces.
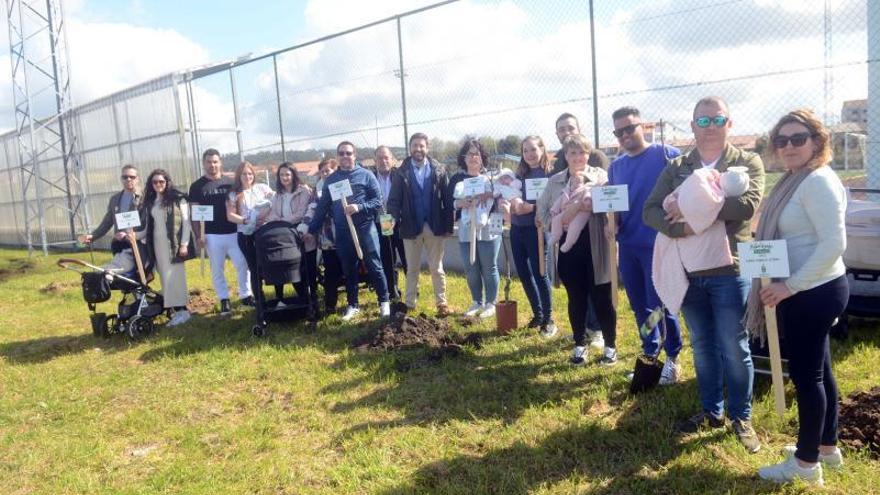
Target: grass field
{"x":208,"y":409}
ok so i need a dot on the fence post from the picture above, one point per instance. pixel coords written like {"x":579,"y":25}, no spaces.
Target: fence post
{"x":402,"y":86}
{"x":278,"y":101}
{"x":595,"y":87}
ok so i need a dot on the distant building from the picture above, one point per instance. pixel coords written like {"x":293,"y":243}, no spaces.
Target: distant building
{"x":855,"y":111}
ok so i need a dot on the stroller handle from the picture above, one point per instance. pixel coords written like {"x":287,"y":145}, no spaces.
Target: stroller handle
{"x":65,"y":262}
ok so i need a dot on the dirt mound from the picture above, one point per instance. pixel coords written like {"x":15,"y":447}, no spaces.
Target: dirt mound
{"x":57,"y":287}
{"x":200,"y":302}
{"x":407,"y":332}
{"x":16,"y":266}
{"x":859,"y":422}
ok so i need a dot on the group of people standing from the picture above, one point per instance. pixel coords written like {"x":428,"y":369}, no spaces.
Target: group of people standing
{"x":400,"y":213}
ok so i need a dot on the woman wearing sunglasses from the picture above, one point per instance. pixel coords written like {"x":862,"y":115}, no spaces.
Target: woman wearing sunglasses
{"x":169,"y":238}
{"x":806,"y":209}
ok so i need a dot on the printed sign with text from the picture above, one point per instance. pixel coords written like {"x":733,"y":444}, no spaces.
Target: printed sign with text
{"x":339,"y":190}
{"x":474,"y":186}
{"x":128,"y":220}
{"x":535,"y":187}
{"x":610,"y":198}
{"x":203,"y":213}
{"x":763,"y":259}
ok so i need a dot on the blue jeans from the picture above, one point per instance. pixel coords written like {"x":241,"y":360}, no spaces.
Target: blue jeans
{"x":713,"y":308}
{"x":635,"y":268}
{"x":369,"y":241}
{"x":483,"y":273}
{"x":524,"y":245}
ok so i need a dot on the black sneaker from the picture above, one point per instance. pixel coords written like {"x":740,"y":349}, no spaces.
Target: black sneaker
{"x":746,"y":435}
{"x":225,"y":309}
{"x":535,"y":322}
{"x":548,"y":329}
{"x":247,"y":301}
{"x":700,"y":422}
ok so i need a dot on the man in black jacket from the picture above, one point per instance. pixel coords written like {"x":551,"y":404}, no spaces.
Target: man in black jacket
{"x":390,"y":246}
{"x":128,"y":199}
{"x":421,"y":204}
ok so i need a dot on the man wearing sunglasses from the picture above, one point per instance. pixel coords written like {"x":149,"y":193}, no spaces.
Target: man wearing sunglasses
{"x":128,"y":199}
{"x":638,"y":166}
{"x":362,"y":207}
{"x":715,"y":300}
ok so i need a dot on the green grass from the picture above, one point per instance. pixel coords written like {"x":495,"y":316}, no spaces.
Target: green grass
{"x":208,"y":409}
{"x":848,"y":176}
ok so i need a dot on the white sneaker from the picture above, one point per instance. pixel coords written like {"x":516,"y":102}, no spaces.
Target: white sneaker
{"x":182,"y":317}
{"x":474,"y":309}
{"x":578,"y":355}
{"x":671,"y":372}
{"x":595,"y":338}
{"x":488,"y":311}
{"x":174,"y":321}
{"x":609,"y":357}
{"x":350,"y":313}
{"x":385,"y":309}
{"x":790,"y":470}
{"x":833,"y":460}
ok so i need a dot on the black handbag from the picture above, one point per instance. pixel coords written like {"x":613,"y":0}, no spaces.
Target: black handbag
{"x":646,"y":374}
{"x":95,"y":287}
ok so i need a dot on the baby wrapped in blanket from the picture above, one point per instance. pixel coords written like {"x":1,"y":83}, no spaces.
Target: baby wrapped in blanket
{"x":700,"y":198}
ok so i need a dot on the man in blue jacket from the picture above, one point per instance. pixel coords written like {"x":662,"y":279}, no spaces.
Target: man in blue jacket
{"x":421,"y":204}
{"x":362,"y":206}
{"x":638,"y":166}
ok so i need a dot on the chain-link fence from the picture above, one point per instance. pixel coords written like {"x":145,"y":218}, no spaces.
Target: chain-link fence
{"x":498,"y":70}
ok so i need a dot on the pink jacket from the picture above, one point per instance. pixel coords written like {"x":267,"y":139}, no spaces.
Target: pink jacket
{"x":700,"y":198}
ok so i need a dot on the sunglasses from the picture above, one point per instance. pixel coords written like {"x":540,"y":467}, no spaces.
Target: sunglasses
{"x":704,"y":122}
{"x":345,"y":153}
{"x":129,"y":177}
{"x":796,"y":140}
{"x":629,"y":129}
{"x":159,"y":181}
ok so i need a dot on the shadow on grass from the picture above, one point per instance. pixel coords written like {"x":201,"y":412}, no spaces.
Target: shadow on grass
{"x":630,"y":458}
{"x":48,"y":348}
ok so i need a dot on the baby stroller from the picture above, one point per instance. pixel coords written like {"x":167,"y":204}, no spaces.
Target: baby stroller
{"x":135,"y":312}
{"x":279,"y":261}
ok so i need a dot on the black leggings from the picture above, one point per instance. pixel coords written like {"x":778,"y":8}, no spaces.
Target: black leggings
{"x":332,"y":278}
{"x":805,"y":318}
{"x":576,"y":273}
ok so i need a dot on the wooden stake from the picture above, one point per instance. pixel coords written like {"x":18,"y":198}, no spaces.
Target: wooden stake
{"x":473,"y":234}
{"x":775,"y":355}
{"x":137,"y":256}
{"x":354,"y":234}
{"x":612,"y":221}
{"x":202,"y":250}
{"x":541,"y":262}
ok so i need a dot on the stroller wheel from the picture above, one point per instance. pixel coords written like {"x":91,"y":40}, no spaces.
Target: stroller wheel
{"x":259,"y":331}
{"x":139,"y":328}
{"x":114,"y":326}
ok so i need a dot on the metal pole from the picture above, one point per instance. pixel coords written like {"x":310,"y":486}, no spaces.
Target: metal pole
{"x":235,"y":115}
{"x":278,"y":101}
{"x":194,"y":128}
{"x":181,"y":132}
{"x":402,"y":86}
{"x":59,"y":105}
{"x":595,"y":87}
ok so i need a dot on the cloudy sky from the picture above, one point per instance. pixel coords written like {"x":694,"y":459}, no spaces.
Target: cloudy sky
{"x":491,"y":67}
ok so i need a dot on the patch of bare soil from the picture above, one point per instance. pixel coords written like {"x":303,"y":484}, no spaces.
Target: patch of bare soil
{"x":15,"y":267}
{"x":57,"y":287}
{"x":200,"y":302}
{"x":412,"y":332}
{"x":859,"y":422}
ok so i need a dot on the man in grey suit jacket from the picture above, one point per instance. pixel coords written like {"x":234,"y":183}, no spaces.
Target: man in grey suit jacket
{"x":128,"y":199}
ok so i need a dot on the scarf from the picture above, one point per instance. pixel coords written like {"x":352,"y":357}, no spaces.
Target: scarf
{"x":768,"y":229}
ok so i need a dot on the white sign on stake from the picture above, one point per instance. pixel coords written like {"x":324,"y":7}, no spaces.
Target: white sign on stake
{"x":534,"y":188}
{"x":474,"y":186}
{"x":203,"y":213}
{"x":339,"y":190}
{"x":763,"y":259}
{"x":610,"y":198}
{"x":128,"y":220}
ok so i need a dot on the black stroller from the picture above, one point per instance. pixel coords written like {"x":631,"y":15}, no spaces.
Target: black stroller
{"x":279,"y":260}
{"x":135,"y":312}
